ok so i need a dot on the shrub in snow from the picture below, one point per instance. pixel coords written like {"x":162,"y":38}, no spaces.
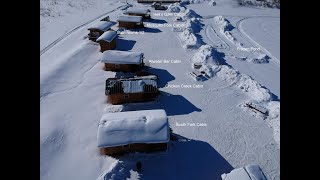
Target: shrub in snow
{"x":188,"y":39}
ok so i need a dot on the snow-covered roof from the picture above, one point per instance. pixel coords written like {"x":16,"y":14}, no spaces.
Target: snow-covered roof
{"x":107,"y":36}
{"x":249,"y":172}
{"x":101,"y":25}
{"x":122,"y":128}
{"x":137,"y":11}
{"x":136,"y":84}
{"x":127,"y":18}
{"x":121,"y":57}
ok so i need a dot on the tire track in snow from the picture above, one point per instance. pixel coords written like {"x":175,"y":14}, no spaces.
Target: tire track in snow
{"x":71,"y":88}
{"x":45,"y":49}
{"x":253,"y":42}
{"x":224,"y":43}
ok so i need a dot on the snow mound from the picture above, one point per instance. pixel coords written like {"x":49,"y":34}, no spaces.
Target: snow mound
{"x":225,"y":27}
{"x":113,"y":108}
{"x":197,"y":1}
{"x":203,"y":55}
{"x":188,"y":39}
{"x":263,"y":3}
{"x":175,"y":8}
{"x":261,"y":58}
{"x":189,"y":14}
{"x":212,"y":3}
{"x":274,"y":119}
{"x":249,"y":172}
{"x":223,"y":23}
{"x":245,"y":83}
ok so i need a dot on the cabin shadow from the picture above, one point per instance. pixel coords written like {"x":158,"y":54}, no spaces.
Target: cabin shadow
{"x":163,"y":75}
{"x":151,"y":30}
{"x":158,"y":21}
{"x":184,"y":159}
{"x":124,"y":44}
{"x":172,"y":104}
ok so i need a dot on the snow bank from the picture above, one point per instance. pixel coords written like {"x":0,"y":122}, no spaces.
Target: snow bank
{"x":224,"y":28}
{"x":191,"y":24}
{"x":210,"y":2}
{"x":274,"y":119}
{"x":263,"y":3}
{"x":245,"y":83}
{"x":175,"y":8}
{"x":250,"y":172}
{"x":261,"y":58}
{"x":189,"y":14}
{"x":203,"y":55}
{"x":188,"y":39}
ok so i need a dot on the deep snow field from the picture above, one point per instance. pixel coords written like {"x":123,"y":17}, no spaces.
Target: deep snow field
{"x":239,"y":47}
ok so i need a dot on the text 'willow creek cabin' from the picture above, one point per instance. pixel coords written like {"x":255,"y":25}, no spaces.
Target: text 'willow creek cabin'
{"x":122,"y":61}
{"x":130,"y":90}
{"x":133,"y":131}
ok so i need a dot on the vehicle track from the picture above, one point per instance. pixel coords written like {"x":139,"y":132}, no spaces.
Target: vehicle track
{"x":209,"y":28}
{"x":76,"y":28}
{"x":253,"y":42}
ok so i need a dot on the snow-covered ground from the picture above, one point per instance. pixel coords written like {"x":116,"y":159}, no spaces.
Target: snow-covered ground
{"x":225,"y":134}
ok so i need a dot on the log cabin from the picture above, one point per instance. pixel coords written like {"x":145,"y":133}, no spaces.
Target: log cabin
{"x":122,"y":61}
{"x":133,"y":131}
{"x":98,"y":28}
{"x":107,"y":40}
{"x":144,"y":13}
{"x":130,"y":90}
{"x":130,"y":22}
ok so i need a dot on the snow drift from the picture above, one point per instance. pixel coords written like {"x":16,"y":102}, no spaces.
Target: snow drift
{"x":175,"y":8}
{"x":225,"y":28}
{"x":188,"y":39}
{"x":261,"y":58}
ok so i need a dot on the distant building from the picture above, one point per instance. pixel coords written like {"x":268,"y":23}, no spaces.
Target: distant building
{"x":133,"y":131}
{"x":131,"y":22}
{"x":122,"y":61}
{"x":107,"y":40}
{"x":97,"y":29}
{"x":130,"y":90}
{"x":144,"y":13}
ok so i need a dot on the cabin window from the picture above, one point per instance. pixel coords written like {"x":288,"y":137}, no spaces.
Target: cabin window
{"x":126,"y":96}
{"x":117,"y":66}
